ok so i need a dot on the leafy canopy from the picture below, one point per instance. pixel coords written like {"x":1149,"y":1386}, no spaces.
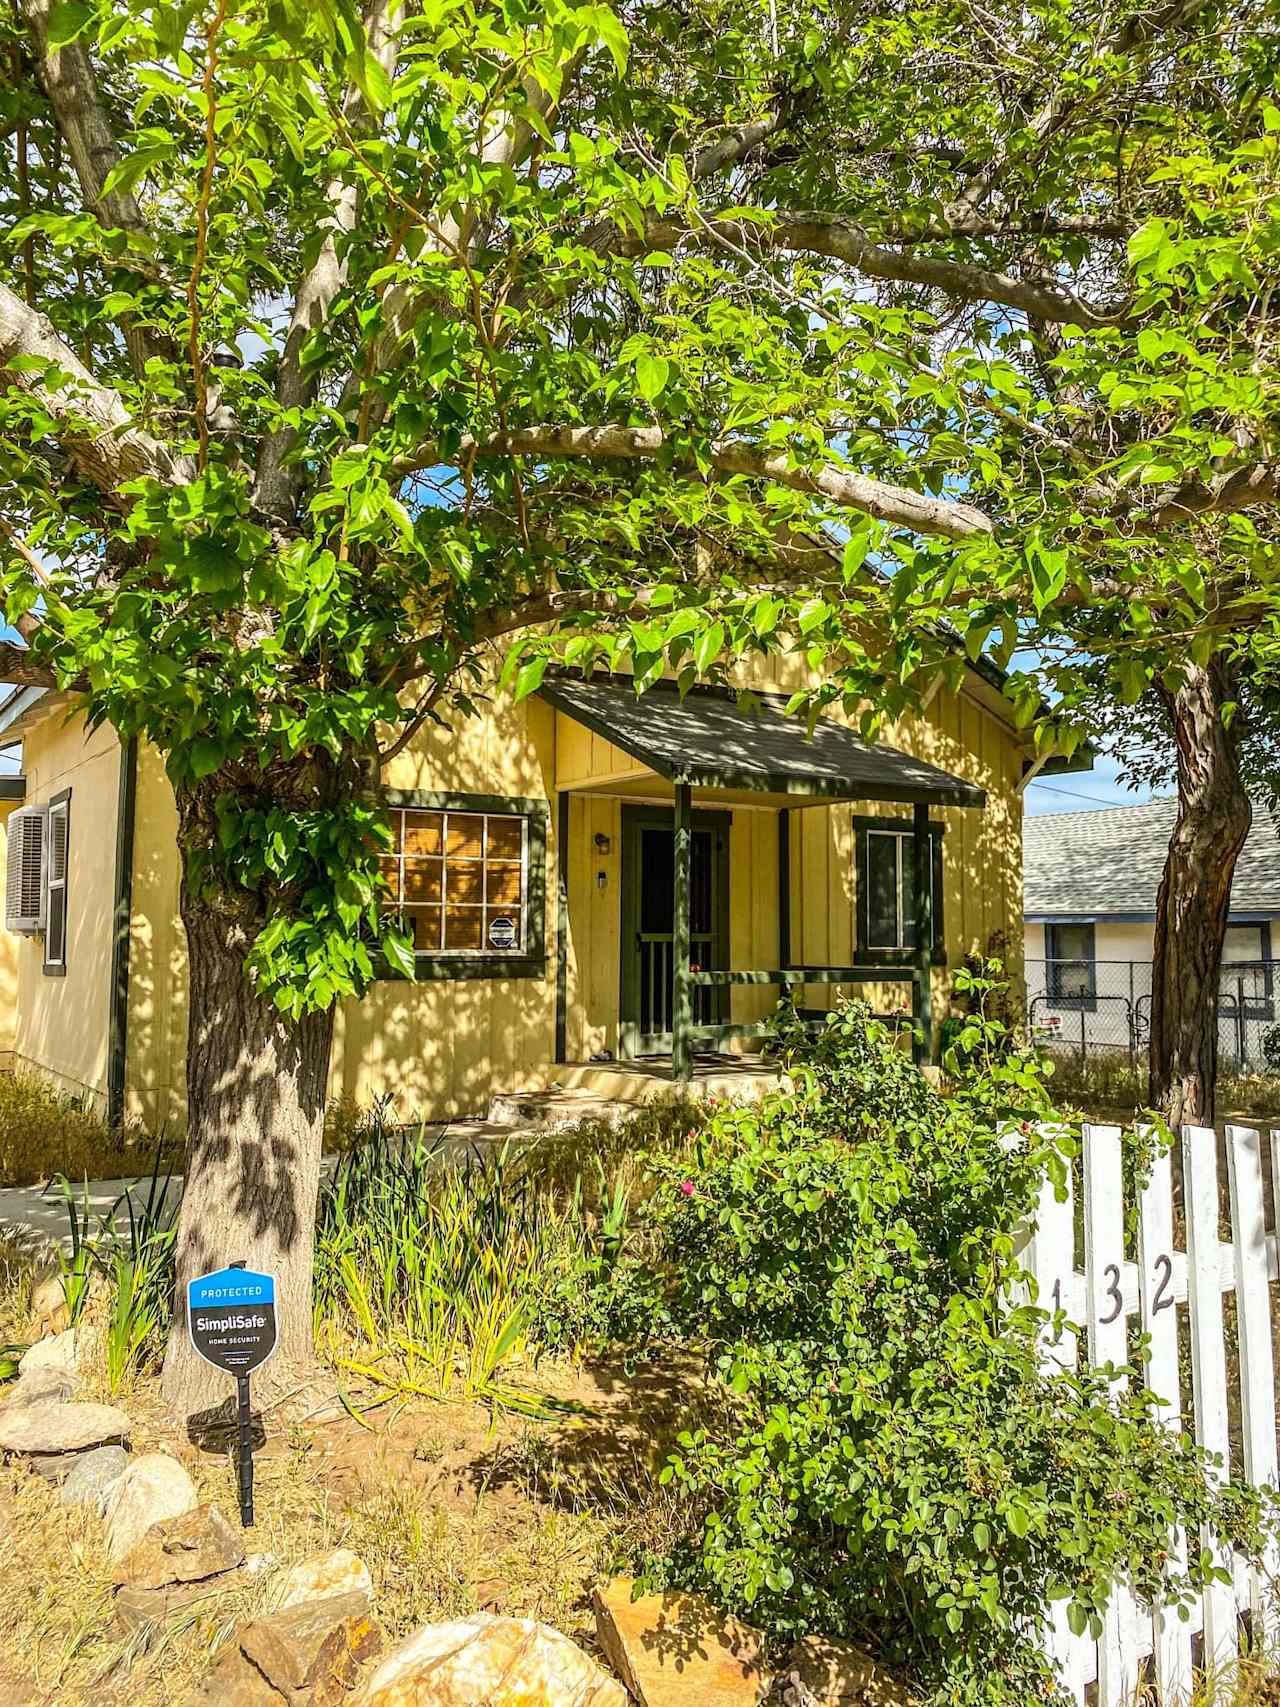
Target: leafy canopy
{"x":343,"y":353}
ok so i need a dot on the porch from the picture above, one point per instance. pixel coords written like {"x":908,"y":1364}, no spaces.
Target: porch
{"x":677,"y":774}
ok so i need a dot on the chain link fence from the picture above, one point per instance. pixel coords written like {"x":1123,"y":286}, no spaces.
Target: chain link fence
{"x":1092,"y":1009}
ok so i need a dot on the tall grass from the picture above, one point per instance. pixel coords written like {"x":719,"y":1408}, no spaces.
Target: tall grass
{"x":1112,"y":1080}
{"x":430,"y":1267}
{"x":45,"y":1132}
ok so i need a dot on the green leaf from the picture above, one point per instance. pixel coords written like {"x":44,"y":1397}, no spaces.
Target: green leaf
{"x":529,"y":678}
{"x":68,"y":21}
{"x":652,"y":373}
{"x":398,"y":949}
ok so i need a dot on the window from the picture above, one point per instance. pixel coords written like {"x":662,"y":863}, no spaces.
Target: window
{"x":1072,"y":965}
{"x":55,"y":929}
{"x":466,"y":877}
{"x":886,"y":911}
{"x":1244,"y":982}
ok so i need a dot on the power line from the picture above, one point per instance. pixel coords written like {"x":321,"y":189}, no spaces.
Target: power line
{"x":1074,"y":793}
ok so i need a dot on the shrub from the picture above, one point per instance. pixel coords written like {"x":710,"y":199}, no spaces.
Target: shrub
{"x":891,"y":1463}
{"x":45,"y":1131}
{"x":1271,"y":1048}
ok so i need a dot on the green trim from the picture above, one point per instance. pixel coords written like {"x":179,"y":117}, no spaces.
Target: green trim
{"x":801,"y":975}
{"x":784,"y":887}
{"x":429,"y":968}
{"x":926,"y":864}
{"x":681,"y":988}
{"x":868,"y":956}
{"x":122,"y":918}
{"x":562,"y":927}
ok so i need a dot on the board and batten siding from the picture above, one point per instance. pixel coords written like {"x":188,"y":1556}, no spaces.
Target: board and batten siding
{"x":60,"y":1025}
{"x":442,"y":1047}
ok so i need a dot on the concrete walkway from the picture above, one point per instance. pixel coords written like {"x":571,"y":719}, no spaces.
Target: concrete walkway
{"x":39,"y":1213}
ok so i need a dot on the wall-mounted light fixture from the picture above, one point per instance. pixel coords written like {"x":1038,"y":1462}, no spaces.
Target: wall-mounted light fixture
{"x":602,"y":880}
{"x":603,"y":844}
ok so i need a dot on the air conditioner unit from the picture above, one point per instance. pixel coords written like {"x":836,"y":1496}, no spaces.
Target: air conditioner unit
{"x":25,"y":889}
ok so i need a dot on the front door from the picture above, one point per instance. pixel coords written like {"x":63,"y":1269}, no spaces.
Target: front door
{"x":648,"y":917}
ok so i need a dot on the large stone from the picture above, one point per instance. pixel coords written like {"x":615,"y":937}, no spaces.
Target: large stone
{"x":157,"y":1606}
{"x":313,"y":1652}
{"x":189,"y":1548}
{"x":37,"y":1385}
{"x":155,"y":1486}
{"x":673,"y":1649}
{"x":325,"y":1575}
{"x":93,"y":1474}
{"x":49,"y":1305}
{"x":52,"y":1426}
{"x":823,"y":1672}
{"x":486,"y":1661}
{"x":57,"y":1352}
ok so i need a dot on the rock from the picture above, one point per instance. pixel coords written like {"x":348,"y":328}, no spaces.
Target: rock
{"x":189,"y":1548}
{"x":671,"y":1649}
{"x":823,"y":1672}
{"x":136,"y":1606}
{"x":486,"y":1661}
{"x":49,"y":1305}
{"x":312,"y":1652}
{"x":155,"y":1486}
{"x":235,"y":1682}
{"x":52,"y":1425}
{"x":92,"y":1474}
{"x":327,"y":1574}
{"x":59,"y":1353}
{"x":38,"y":1384}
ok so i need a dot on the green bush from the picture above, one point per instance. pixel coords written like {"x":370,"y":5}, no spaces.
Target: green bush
{"x":890,"y":1463}
{"x":45,"y":1132}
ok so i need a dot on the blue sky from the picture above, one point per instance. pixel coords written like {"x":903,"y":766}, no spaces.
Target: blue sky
{"x":1084,"y":791}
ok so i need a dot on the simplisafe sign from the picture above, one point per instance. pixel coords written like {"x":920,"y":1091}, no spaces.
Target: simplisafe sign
{"x":231,"y":1315}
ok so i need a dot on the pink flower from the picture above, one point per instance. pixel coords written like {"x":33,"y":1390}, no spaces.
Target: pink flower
{"x":686,"y":1188}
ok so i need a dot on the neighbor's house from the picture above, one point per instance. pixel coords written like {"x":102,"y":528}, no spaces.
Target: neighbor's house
{"x":1090,"y":881}
{"x":540,"y":853}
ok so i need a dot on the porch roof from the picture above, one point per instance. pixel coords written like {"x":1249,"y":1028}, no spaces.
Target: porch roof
{"x":708,"y":741}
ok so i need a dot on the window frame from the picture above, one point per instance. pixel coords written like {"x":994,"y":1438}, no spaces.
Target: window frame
{"x":470,"y":963}
{"x":864,"y":826}
{"x":59,"y":805}
{"x":1087,"y":1003}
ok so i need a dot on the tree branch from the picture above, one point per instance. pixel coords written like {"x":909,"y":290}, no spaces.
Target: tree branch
{"x":68,"y":79}
{"x":94,"y":426}
{"x":841,"y":239}
{"x":17,"y":666}
{"x":276,"y":485}
{"x":918,"y":511}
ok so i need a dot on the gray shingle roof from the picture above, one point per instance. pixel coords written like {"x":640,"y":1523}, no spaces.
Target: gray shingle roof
{"x":1107,"y":863}
{"x":707,"y":740}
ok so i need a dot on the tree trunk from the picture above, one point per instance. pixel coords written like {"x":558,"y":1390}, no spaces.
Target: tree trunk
{"x":256,"y":1090}
{"x":1214,"y":817}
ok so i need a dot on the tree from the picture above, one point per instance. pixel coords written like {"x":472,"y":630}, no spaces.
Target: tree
{"x":341,"y":354}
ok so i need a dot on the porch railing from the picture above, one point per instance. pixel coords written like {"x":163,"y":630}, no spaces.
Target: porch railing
{"x":657,"y":964}
{"x":790,"y":978}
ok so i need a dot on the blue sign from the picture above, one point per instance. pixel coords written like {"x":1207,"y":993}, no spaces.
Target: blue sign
{"x":231,"y":1317}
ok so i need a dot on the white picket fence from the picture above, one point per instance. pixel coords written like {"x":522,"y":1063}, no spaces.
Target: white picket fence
{"x":1101,"y":1298}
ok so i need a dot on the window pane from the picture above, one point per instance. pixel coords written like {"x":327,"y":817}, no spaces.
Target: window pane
{"x":1071,"y":957}
{"x":1244,"y":942}
{"x":506,"y":838}
{"x":391,"y":875}
{"x":882,"y":890}
{"x":424,"y":922}
{"x":463,"y":928}
{"x":466,"y":880}
{"x":502,"y":884}
{"x":423,"y":879}
{"x":422,"y":832}
{"x":906,"y":853}
{"x":466,"y":835}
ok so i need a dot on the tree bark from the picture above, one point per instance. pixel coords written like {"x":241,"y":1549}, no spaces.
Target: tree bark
{"x":1213,"y":821}
{"x":256,"y":1091}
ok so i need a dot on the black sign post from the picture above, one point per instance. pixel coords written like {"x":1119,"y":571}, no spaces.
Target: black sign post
{"x":231,"y":1317}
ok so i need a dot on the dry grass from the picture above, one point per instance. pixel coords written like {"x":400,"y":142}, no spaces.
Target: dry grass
{"x":44,"y":1132}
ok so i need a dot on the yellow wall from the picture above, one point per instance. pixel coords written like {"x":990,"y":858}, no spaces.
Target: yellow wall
{"x":443,"y":1047}
{"x":8,"y":957}
{"x":61,"y":1024}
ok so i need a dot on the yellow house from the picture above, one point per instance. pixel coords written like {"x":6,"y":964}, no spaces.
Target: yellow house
{"x":599,"y":885}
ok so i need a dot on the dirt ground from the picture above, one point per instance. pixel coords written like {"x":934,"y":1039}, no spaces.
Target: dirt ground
{"x":453,"y":1508}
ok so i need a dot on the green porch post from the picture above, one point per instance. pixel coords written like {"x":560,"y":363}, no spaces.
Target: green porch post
{"x":681,"y":987}
{"x":921,"y":873}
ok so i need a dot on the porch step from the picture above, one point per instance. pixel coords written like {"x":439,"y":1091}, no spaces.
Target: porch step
{"x":552,"y":1109}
